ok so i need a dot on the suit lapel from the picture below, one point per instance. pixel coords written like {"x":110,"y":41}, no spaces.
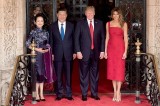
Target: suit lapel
{"x":58,"y":32}
{"x":87,"y":28}
{"x":95,"y":27}
{"x":66,"y":30}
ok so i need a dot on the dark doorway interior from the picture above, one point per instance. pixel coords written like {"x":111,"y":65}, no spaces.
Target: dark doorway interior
{"x":76,"y":9}
{"x":103,"y":9}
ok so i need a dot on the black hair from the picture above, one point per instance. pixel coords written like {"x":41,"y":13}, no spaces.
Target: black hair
{"x":62,"y":9}
{"x":35,"y":7}
{"x":39,"y":15}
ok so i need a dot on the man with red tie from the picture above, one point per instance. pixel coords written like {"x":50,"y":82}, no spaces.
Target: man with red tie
{"x":89,"y":45}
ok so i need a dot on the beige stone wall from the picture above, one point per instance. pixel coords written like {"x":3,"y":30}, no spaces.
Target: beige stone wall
{"x":12,"y":39}
{"x":153,"y":28}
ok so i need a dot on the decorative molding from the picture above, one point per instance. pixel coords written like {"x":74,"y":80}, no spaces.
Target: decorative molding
{"x":157,"y":14}
{"x":158,"y":56}
{"x":9,"y":46}
{"x":152,"y":49}
{"x":157,"y":2}
{"x":157,"y":33}
{"x":157,"y":37}
{"x":4,"y":85}
{"x":0,"y":87}
{"x":153,"y":29}
{"x":1,"y":48}
{"x":10,"y":39}
{"x":151,"y":36}
{"x":4,"y":93}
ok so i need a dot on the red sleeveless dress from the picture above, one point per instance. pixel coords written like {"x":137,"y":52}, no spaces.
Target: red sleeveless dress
{"x":115,"y":51}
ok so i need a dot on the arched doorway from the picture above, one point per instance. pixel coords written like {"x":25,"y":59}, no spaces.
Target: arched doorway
{"x":134,"y":12}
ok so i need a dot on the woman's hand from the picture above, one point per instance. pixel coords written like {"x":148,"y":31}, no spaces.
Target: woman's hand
{"x":41,"y":50}
{"x":124,"y":55}
{"x":105,"y":55}
{"x":46,"y":50}
{"x":52,"y":57}
{"x":74,"y":56}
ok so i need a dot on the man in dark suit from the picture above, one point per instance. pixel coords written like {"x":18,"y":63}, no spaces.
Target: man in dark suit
{"x":61,"y":41}
{"x":89,"y":45}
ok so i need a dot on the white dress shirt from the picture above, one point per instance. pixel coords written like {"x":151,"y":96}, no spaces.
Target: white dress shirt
{"x":89,"y":26}
{"x":90,"y":21}
{"x":92,"y":24}
{"x":64,"y":26}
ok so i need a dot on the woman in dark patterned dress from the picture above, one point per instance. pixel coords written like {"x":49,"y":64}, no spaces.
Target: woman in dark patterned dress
{"x":40,"y":37}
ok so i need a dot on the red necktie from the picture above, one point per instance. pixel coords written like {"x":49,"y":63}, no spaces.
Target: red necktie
{"x":91,"y":31}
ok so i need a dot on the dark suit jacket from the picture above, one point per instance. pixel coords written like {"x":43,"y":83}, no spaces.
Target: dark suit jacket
{"x":59,"y":47}
{"x":82,"y":38}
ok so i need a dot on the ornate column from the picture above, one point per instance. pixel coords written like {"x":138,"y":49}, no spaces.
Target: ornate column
{"x":12,"y":39}
{"x":153,"y":29}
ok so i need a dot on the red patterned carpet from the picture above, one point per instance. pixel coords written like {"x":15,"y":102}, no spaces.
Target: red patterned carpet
{"x":106,"y":100}
{"x":105,"y":93}
{"x":105,"y":86}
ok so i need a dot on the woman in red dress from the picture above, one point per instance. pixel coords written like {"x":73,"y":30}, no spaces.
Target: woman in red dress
{"x":116,"y":51}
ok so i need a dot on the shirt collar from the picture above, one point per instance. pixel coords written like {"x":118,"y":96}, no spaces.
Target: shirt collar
{"x":62,"y":23}
{"x":38,"y":29}
{"x":90,"y":20}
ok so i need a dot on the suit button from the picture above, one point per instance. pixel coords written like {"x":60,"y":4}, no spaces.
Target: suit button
{"x":63,"y":42}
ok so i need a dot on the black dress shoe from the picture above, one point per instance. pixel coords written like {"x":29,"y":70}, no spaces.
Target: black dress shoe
{"x":69,"y":98}
{"x":95,"y":97}
{"x":38,"y":100}
{"x":58,"y":98}
{"x":84,"y":98}
{"x":43,"y":99}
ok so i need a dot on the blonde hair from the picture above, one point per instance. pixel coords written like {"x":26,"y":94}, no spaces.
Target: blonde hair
{"x":90,"y":8}
{"x":121,"y":19}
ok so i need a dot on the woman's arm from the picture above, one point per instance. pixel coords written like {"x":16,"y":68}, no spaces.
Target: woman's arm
{"x":39,"y":50}
{"x":107,"y":38}
{"x":125,"y":37}
{"x":29,"y":40}
{"x":125,"y":41}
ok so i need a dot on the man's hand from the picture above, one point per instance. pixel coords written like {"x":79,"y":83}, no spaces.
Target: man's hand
{"x":79,"y":55}
{"x":74,"y":56}
{"x":101,"y":55}
{"x":52,"y":57}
